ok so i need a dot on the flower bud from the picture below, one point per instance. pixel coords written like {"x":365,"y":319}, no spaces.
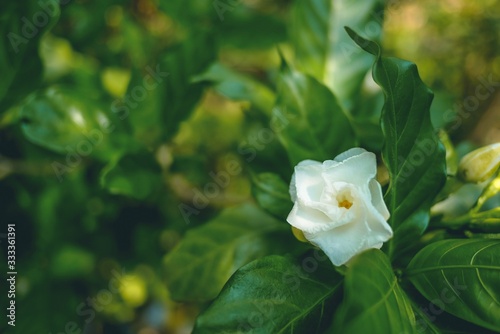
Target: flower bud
{"x":479,"y":165}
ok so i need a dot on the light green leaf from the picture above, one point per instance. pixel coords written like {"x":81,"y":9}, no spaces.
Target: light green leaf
{"x":373,"y":300}
{"x":239,"y":87}
{"x":308,"y":119}
{"x":273,"y":295}
{"x":324,"y":50}
{"x":412,"y":151}
{"x":272,"y":194}
{"x":208,"y":255}
{"x":461,"y":277}
{"x":72,"y":262}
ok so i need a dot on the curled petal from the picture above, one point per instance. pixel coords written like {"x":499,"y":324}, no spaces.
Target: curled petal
{"x":358,"y":169}
{"x":306,"y":180}
{"x":378,"y":199}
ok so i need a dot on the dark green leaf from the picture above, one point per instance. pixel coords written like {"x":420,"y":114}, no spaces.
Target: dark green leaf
{"x":412,"y":152}
{"x":135,"y":175}
{"x":161,"y":96}
{"x":433,"y":320}
{"x":461,"y":277}
{"x":244,"y":28}
{"x":273,"y":295}
{"x":324,"y":50}
{"x":239,"y":87}
{"x":374,"y":302}
{"x":208,"y":255}
{"x":21,"y":70}
{"x":308,"y":119}
{"x":272,"y":194}
{"x":423,"y":323}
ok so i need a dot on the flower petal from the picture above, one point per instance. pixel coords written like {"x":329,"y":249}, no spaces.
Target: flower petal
{"x":358,"y":169}
{"x":349,"y":154}
{"x":308,"y":219}
{"x":378,"y":199}
{"x":381,"y":231}
{"x":342,"y":243}
{"x":307,"y":183}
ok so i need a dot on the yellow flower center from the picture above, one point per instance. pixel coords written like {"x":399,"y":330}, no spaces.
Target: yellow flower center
{"x":345,"y":204}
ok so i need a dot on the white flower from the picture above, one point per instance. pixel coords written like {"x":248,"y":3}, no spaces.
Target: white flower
{"x":339,"y":205}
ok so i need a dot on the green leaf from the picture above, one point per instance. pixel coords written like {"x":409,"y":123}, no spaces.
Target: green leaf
{"x":208,"y":255}
{"x":272,"y":194}
{"x":423,"y":323}
{"x":373,"y":300}
{"x":243,"y":27}
{"x":136,"y":175}
{"x":170,"y":96}
{"x":72,"y":262}
{"x":324,"y":50}
{"x":412,"y":151}
{"x":59,"y":119}
{"x":20,"y":64}
{"x":461,"y":277}
{"x":273,"y":295}
{"x":308,"y":119}
{"x":239,"y":87}
{"x":431,"y":319}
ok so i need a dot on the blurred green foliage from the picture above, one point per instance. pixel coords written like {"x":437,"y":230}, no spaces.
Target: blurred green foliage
{"x":113,"y":113}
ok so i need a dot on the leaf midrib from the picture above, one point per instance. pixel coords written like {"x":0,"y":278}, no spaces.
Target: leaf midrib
{"x":413,"y":272}
{"x":303,"y":314}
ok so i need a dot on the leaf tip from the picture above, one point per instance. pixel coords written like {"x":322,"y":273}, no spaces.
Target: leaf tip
{"x":365,"y":44}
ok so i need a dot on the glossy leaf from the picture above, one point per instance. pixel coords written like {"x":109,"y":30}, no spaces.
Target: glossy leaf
{"x":413,"y":154}
{"x":59,"y":120}
{"x":324,"y":50}
{"x":308,"y":119}
{"x":461,"y":277}
{"x":373,"y":300}
{"x":267,"y":296}
{"x":20,"y":35}
{"x":272,"y":194}
{"x":239,"y":87}
{"x":431,"y":319}
{"x":199,"y":266}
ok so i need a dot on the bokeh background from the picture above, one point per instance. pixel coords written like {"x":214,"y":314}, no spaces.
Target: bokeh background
{"x":113,"y":214}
